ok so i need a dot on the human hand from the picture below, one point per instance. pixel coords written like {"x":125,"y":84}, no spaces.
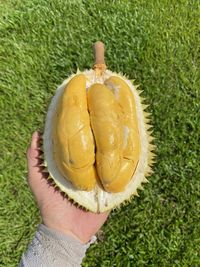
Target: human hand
{"x":57,"y":212}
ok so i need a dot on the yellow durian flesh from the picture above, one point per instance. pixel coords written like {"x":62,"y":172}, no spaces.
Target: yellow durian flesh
{"x":73,"y":143}
{"x":98,"y":200}
{"x":123,"y":177}
{"x":131,"y":139}
{"x":106,"y":125}
{"x":114,"y":124}
{"x":124,"y":97}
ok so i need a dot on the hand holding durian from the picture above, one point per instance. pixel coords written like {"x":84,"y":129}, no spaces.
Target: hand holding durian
{"x":57,"y":213}
{"x":97,"y":147}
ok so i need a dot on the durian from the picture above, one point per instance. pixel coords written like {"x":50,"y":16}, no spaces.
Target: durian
{"x":97,"y":142}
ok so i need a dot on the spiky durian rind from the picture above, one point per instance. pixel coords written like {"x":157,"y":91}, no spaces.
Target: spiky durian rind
{"x":98,"y":200}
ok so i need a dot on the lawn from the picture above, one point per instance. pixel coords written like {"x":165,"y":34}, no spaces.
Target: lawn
{"x":154,"y":42}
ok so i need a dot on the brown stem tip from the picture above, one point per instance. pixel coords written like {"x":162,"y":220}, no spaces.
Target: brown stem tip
{"x":99,"y":62}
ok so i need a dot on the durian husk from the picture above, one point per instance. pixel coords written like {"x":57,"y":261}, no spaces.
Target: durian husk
{"x":99,"y":200}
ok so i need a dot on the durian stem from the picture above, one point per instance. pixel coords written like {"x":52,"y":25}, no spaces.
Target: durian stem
{"x":99,"y":62}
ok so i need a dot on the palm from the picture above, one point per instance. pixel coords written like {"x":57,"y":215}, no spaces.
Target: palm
{"x":57,"y":212}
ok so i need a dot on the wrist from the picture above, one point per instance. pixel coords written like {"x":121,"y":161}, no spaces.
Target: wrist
{"x":66,"y":231}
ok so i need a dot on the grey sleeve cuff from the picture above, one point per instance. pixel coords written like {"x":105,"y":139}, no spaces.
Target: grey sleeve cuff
{"x":51,"y":248}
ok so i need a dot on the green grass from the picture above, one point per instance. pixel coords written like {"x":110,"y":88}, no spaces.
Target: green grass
{"x":155,"y":42}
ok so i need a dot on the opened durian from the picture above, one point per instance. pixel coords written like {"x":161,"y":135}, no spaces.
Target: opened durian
{"x":96,"y":142}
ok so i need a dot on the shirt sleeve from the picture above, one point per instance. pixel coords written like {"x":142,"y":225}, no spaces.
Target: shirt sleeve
{"x":50,"y":248}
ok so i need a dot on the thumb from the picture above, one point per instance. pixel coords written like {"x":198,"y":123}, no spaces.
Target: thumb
{"x":32,"y":154}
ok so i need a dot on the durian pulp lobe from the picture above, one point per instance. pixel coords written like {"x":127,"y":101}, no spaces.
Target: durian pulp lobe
{"x":124,"y":175}
{"x":73,"y":143}
{"x":131,"y":144}
{"x":106,"y":125}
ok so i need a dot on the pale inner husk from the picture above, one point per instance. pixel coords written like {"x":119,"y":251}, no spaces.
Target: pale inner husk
{"x":97,"y":200}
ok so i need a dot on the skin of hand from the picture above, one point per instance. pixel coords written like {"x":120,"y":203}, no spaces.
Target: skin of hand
{"x":57,"y":212}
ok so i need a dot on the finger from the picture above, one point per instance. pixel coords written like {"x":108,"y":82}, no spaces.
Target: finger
{"x":33,"y":151}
